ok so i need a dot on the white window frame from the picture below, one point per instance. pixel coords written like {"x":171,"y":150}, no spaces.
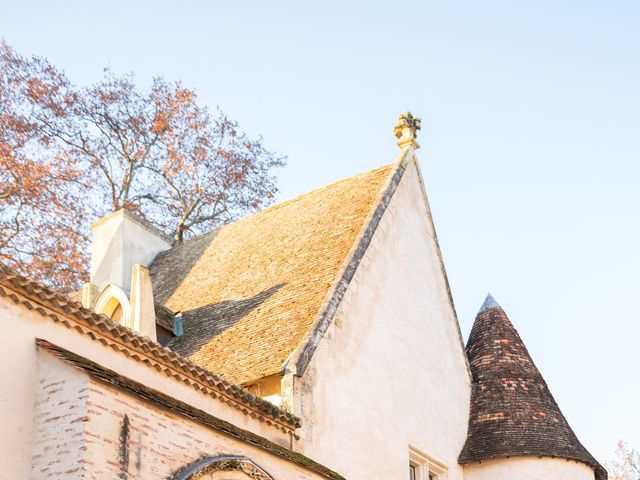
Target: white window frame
{"x":425,"y":465}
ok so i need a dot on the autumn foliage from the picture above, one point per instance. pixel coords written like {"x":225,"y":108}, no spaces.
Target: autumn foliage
{"x":70,"y":154}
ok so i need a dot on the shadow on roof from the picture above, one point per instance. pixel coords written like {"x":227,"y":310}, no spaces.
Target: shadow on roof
{"x":203,"y":323}
{"x":169,"y":269}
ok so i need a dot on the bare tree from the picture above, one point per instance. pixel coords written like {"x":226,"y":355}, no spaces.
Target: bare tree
{"x":69,"y":154}
{"x":627,"y":464}
{"x":38,"y":187}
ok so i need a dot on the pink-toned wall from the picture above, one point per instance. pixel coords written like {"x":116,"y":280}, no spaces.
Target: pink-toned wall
{"x":79,"y":433}
{"x":59,"y":422}
{"x":21,"y":390}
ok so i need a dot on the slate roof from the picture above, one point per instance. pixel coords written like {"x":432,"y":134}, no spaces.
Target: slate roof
{"x":512,"y":410}
{"x":251,"y":291}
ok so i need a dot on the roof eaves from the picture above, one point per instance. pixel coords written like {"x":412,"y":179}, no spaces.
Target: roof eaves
{"x":176,"y":406}
{"x":61,"y":309}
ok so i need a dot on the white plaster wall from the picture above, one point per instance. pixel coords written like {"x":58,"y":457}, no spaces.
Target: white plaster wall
{"x":523,"y":468}
{"x":391,"y":371}
{"x":120,"y":241}
{"x":18,"y":389}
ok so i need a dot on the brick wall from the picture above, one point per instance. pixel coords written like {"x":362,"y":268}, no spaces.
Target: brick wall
{"x":130,"y":438}
{"x":60,"y":418}
{"x":91,"y":430}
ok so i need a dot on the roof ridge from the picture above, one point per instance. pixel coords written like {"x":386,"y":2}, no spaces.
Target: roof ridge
{"x":279,"y":205}
{"x":319,"y":189}
{"x":195,"y":238}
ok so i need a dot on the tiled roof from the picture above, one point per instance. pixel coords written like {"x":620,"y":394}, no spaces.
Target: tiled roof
{"x":72,"y":314}
{"x":512,"y":410}
{"x":251,"y":291}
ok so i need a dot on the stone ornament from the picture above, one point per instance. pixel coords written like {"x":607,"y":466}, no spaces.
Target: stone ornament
{"x":406,"y":130}
{"x":208,"y":468}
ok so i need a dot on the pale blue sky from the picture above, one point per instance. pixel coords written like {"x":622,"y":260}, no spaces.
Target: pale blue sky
{"x":531,"y":141}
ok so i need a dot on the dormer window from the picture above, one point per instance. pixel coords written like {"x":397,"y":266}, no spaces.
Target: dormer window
{"x":413,"y":472}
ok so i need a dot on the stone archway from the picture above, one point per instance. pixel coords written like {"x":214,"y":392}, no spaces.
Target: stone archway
{"x":223,"y":468}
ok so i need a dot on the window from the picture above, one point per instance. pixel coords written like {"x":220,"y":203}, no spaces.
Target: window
{"x":412,"y":472}
{"x":424,"y":467}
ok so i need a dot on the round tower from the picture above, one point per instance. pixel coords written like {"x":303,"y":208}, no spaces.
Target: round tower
{"x":516,"y":429}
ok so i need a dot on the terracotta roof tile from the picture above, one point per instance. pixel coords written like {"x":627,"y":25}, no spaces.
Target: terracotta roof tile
{"x":178,"y":407}
{"x":250,"y":291}
{"x":99,"y":327}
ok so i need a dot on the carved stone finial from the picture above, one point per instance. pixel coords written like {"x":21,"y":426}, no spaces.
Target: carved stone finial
{"x":406,"y":130}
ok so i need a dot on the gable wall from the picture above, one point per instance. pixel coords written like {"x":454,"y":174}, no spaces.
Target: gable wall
{"x":390,"y":371}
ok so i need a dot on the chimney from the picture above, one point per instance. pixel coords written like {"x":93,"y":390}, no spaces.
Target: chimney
{"x":120,"y":286}
{"x":121,"y":240}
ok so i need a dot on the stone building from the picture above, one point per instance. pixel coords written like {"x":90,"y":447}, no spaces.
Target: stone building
{"x":316,"y":339}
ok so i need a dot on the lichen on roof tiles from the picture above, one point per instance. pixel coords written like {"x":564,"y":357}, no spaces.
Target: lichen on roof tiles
{"x":250,"y":291}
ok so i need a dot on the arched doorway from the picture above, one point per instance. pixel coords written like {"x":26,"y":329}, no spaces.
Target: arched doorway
{"x":223,"y":468}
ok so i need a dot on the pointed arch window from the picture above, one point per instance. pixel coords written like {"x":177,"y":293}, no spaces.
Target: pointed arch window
{"x":114,"y":303}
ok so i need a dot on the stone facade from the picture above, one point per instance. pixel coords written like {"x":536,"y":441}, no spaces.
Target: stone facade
{"x":61,"y":416}
{"x":111,"y":433}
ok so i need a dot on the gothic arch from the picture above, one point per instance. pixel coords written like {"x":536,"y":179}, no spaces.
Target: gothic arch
{"x":108,"y":302}
{"x":212,"y":467}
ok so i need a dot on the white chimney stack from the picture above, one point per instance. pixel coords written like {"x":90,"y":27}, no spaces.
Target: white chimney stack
{"x":120,"y":240}
{"x":123,"y":247}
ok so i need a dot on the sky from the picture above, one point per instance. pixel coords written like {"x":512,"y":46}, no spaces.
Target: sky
{"x":530,"y":142}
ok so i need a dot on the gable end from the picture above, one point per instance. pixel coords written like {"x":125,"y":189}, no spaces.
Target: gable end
{"x":336,"y":295}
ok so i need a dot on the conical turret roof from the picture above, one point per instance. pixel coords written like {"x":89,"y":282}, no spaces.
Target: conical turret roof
{"x":512,"y":410}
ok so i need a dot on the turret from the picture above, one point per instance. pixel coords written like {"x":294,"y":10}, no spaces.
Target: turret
{"x":516,"y":429}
